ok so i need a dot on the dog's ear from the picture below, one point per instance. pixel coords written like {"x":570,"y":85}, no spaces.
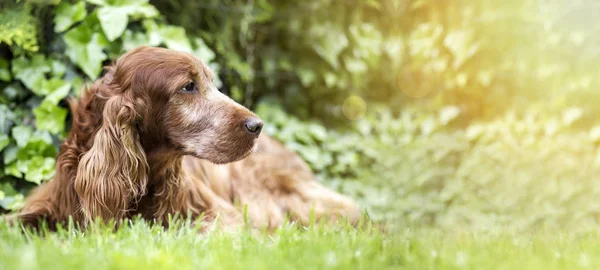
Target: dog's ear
{"x":114,"y":172}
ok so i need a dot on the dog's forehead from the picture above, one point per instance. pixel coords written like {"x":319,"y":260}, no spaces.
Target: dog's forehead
{"x":202,"y":71}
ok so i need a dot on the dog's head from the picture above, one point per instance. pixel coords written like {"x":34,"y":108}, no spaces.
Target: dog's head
{"x":154,"y":100}
{"x":178,"y":107}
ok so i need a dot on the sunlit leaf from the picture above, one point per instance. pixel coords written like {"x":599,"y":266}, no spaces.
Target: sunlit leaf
{"x":448,"y":114}
{"x":32,"y":72}
{"x":595,"y":134}
{"x":57,"y":89}
{"x":202,"y":51}
{"x":4,"y":71}
{"x":22,"y":134}
{"x":4,"y":141}
{"x":428,"y":126}
{"x":68,"y":14}
{"x":50,"y":117}
{"x":85,"y":48}
{"x":174,"y":37}
{"x":113,"y":21}
{"x":329,"y":42}
{"x":571,"y":115}
{"x":37,"y":168}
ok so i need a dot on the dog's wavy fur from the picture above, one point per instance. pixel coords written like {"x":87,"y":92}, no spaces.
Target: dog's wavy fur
{"x":139,"y":145}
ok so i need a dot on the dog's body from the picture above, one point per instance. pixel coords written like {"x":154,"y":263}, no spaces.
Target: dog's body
{"x":146,"y":140}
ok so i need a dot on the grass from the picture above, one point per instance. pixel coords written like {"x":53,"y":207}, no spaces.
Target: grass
{"x":142,"y":246}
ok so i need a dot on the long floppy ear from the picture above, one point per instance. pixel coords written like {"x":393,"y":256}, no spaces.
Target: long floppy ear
{"x":114,"y":172}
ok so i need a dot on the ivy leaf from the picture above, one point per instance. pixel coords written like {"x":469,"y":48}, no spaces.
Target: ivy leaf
{"x":307,"y":76}
{"x":448,"y":114}
{"x":10,"y":154}
{"x":203,"y":52}
{"x":22,"y":134}
{"x":68,"y":14}
{"x":113,"y":21}
{"x":4,"y":71}
{"x":330,"y":41}
{"x":54,"y":89}
{"x":58,"y":68}
{"x":114,"y":15}
{"x":12,"y":202}
{"x":50,"y":117}
{"x":13,"y":170}
{"x":172,"y":36}
{"x":9,"y":197}
{"x":132,"y":39}
{"x":4,"y":141}
{"x":318,"y":132}
{"x":57,"y":90}
{"x":40,"y":144}
{"x":31,"y":72}
{"x":97,"y":2}
{"x":84,"y":48}
{"x":37,"y":168}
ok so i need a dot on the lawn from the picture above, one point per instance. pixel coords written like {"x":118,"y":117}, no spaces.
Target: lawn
{"x":141,"y":246}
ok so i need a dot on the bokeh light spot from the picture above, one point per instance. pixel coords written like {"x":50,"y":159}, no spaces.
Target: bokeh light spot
{"x":354,"y":107}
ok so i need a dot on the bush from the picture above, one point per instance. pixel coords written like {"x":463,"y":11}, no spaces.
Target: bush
{"x":485,"y":56}
{"x":40,"y":66}
{"x":483,"y":119}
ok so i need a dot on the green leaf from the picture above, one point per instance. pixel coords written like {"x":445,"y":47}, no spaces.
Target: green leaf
{"x":50,"y":117}
{"x":68,"y":14}
{"x":132,"y":39}
{"x":31,"y":71}
{"x":307,"y":76}
{"x":113,"y":21}
{"x":172,"y":36}
{"x":448,"y":114}
{"x":4,"y":141}
{"x":56,"y":90}
{"x":58,"y":68}
{"x":114,"y":15}
{"x":13,"y":170}
{"x":4,"y":71}
{"x":329,"y":41}
{"x":203,"y":52}
{"x":22,"y":134}
{"x":37,"y":168}
{"x":10,"y":154}
{"x":318,"y":132}
{"x":12,"y":202}
{"x":40,"y":144}
{"x":97,"y":2}
{"x":84,"y":48}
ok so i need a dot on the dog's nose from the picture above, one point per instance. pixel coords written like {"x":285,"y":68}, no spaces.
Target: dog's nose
{"x":253,"y":125}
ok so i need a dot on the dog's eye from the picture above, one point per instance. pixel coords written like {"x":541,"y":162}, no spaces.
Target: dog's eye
{"x":189,"y":87}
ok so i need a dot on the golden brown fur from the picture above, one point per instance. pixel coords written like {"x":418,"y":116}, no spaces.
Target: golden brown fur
{"x":143,"y":144}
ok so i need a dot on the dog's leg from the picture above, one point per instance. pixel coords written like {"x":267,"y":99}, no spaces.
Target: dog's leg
{"x":190,"y":197}
{"x":47,"y":204}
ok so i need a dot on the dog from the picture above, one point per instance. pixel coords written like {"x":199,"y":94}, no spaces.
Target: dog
{"x":155,"y":138}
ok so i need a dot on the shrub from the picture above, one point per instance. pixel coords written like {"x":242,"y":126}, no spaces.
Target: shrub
{"x":35,"y":79}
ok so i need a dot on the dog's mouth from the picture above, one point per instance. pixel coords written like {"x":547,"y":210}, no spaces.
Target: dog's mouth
{"x":231,"y":153}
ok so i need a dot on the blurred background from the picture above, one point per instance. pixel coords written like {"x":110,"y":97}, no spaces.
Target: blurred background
{"x":463,"y":113}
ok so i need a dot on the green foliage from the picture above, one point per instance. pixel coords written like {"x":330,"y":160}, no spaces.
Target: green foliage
{"x":68,"y":14}
{"x":485,"y":122}
{"x":85,"y":36}
{"x":18,"y":30}
{"x":485,"y":56}
{"x":525,"y":170}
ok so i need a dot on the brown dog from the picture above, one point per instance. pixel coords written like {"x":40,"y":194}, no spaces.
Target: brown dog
{"x":146,"y":139}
